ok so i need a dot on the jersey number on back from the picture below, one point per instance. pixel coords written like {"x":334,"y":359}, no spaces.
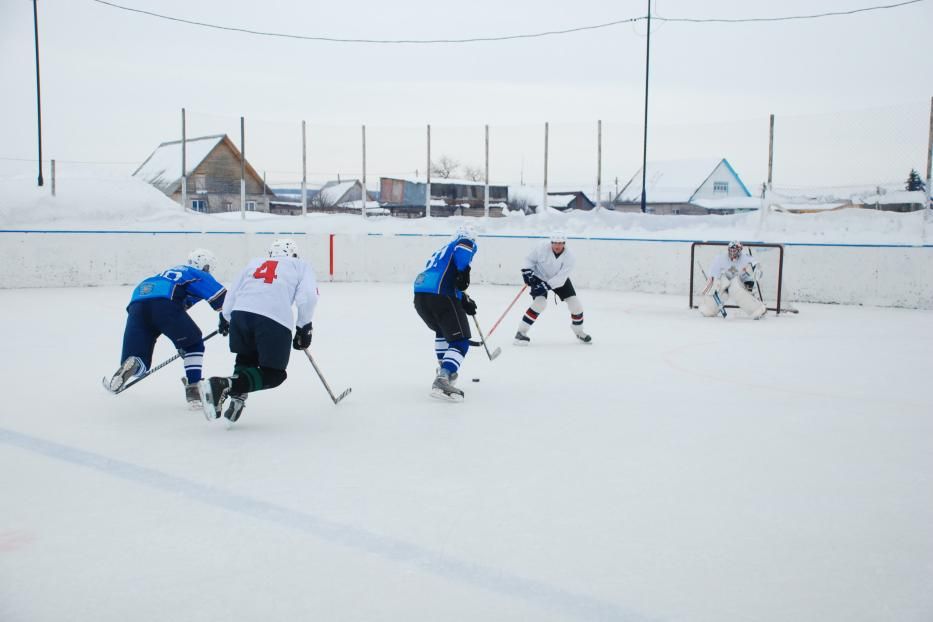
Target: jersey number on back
{"x":266,"y":271}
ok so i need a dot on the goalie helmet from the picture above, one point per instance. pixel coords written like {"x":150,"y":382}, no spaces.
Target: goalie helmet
{"x":735,"y":249}
{"x":202,"y":259}
{"x":558,"y":237}
{"x":283,"y":247}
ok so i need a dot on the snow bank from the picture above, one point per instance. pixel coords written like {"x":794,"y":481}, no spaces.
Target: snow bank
{"x":111,"y":233}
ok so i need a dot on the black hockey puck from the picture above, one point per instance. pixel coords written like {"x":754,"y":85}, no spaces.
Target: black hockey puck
{"x":476,"y":380}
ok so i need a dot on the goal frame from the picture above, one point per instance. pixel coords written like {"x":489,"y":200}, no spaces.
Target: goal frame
{"x":750,"y":245}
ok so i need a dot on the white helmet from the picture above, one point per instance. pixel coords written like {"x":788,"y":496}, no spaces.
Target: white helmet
{"x":202,"y":259}
{"x":558,"y":237}
{"x":735,"y":249}
{"x":283,"y":247}
{"x":466,"y":231}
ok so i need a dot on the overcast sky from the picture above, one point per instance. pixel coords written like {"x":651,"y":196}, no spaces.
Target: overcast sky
{"x":113,"y":81}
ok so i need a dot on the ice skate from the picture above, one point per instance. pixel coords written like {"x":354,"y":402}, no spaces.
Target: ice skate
{"x":235,"y":407}
{"x":584,"y":338}
{"x":442,"y":388}
{"x":521,"y":339}
{"x":453,"y":376}
{"x":192,"y":395}
{"x":130,"y":367}
{"x":213,"y":392}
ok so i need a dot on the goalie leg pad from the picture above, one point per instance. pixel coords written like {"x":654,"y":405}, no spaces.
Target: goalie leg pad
{"x":708,"y":306}
{"x":748,"y":303}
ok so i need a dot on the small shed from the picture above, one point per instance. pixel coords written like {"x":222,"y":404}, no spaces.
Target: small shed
{"x":448,"y":196}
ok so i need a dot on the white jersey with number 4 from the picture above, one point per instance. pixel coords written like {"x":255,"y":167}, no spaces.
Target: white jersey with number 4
{"x":723,"y":266}
{"x":270,"y":286}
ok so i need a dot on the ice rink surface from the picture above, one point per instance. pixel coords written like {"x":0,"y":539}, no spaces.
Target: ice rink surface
{"x":679,"y":469}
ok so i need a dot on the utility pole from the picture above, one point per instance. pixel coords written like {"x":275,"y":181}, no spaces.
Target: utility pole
{"x":644,"y":153}
{"x":35,"y":23}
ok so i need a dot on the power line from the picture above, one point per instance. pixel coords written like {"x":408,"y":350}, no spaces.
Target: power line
{"x":380,"y":41}
{"x":711,"y":20}
{"x":548,"y":33}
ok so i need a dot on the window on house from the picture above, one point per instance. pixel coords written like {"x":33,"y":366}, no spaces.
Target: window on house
{"x":721,"y":187}
{"x":251,"y":206}
{"x":200,"y":183}
{"x":199,"y":205}
{"x":228,"y":206}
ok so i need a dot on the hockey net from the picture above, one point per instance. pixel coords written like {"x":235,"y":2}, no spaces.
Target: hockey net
{"x":770,"y":258}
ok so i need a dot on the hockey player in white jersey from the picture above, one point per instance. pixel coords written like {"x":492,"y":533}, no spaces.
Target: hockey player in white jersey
{"x":257,"y":314}
{"x":732,"y":277}
{"x":548,"y":267}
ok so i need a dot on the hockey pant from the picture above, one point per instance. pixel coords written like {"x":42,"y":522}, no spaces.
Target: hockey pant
{"x":146,"y":320}
{"x":539,"y":304}
{"x":732,"y":291}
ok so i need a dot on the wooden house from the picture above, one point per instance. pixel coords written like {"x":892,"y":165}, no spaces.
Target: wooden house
{"x":449,"y":197}
{"x":566,"y":201}
{"x":701,"y":186}
{"x":212,"y":164}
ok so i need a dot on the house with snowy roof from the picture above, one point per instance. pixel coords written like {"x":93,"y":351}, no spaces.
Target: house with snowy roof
{"x":697,"y":186}
{"x":213,"y":169}
{"x":406,"y":197}
{"x":344,"y":196}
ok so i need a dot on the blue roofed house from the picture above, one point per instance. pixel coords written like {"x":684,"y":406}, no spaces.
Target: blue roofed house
{"x":696,"y":186}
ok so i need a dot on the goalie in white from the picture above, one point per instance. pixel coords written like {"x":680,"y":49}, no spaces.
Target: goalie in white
{"x":732,"y":278}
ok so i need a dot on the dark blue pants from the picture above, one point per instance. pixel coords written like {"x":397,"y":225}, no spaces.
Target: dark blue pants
{"x":147,"y":319}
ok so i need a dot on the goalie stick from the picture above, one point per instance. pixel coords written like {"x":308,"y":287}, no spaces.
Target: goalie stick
{"x":151,"y":371}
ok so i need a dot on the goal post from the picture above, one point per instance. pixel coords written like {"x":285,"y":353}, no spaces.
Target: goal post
{"x":770,"y":258}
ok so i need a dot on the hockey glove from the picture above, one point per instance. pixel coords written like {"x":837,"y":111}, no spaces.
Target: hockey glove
{"x":528,"y":276}
{"x":462,"y":279}
{"x":538,"y":289}
{"x":223,"y":326}
{"x":302,"y":337}
{"x":468,"y":304}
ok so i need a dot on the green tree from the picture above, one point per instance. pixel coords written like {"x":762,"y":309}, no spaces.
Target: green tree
{"x":914,"y":181}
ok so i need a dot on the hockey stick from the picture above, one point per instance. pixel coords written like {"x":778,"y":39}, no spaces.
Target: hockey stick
{"x":132,"y":383}
{"x":336,"y":398}
{"x":509,"y":308}
{"x":492,"y":355}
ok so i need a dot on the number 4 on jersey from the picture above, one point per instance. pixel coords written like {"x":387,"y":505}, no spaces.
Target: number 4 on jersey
{"x":266,"y":271}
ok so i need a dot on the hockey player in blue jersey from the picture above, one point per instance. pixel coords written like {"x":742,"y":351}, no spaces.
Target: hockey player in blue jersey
{"x":159,"y":306}
{"x":441,"y":302}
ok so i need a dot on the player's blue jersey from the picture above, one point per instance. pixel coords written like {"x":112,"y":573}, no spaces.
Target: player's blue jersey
{"x":183,"y":284}
{"x":440,"y":273}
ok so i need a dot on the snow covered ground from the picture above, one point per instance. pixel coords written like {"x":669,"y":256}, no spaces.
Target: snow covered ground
{"x":679,"y":469}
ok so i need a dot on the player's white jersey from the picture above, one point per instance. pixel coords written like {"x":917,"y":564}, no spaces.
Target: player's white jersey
{"x":723,"y":266}
{"x":270,"y":286}
{"x":547,"y":267}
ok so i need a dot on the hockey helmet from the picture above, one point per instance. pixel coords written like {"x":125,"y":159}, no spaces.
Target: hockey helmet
{"x":465,"y":231}
{"x":735,"y":249}
{"x":558,"y":237}
{"x":283,"y":247}
{"x":202,"y":259}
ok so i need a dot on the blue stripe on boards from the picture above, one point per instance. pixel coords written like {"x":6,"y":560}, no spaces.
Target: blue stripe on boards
{"x":549,"y":598}
{"x":485,"y":235}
